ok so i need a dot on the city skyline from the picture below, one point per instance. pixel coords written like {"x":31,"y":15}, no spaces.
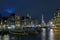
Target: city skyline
{"x":34,"y":7}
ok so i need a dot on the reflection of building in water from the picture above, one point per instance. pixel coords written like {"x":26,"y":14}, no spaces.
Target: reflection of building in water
{"x":6,"y":37}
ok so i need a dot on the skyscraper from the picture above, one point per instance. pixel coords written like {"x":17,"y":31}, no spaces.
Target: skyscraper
{"x":57,"y":18}
{"x":57,"y":24}
{"x":43,"y":24}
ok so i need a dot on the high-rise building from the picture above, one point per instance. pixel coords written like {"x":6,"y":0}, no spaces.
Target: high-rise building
{"x":36,"y":22}
{"x":57,"y":18}
{"x":17,"y":21}
{"x":26,"y":20}
{"x":43,"y":24}
{"x":5,"y":22}
{"x":11,"y":20}
{"x":57,"y":24}
{"x":0,"y":21}
{"x":1,"y":24}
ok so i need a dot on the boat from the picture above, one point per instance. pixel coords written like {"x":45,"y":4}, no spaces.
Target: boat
{"x":26,"y":31}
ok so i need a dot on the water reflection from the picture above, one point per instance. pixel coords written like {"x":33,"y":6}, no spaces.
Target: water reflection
{"x":52,"y":35}
{"x":6,"y":37}
{"x":43,"y":33}
{"x":46,"y":34}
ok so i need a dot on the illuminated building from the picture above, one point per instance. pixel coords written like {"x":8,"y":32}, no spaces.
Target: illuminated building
{"x":13,"y":23}
{"x":29,"y":19}
{"x":17,"y":21}
{"x":51,"y":24}
{"x":57,"y":24}
{"x":26,"y":20}
{"x":43,"y":24}
{"x":1,"y":22}
{"x":11,"y":20}
{"x":57,"y":18}
{"x":5,"y":23}
{"x":36,"y":22}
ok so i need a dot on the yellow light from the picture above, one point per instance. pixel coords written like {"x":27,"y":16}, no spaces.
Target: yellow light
{"x":51,"y":22}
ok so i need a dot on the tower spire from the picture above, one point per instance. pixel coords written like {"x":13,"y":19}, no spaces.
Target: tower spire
{"x":28,"y":15}
{"x":42,"y":18}
{"x":43,"y":24}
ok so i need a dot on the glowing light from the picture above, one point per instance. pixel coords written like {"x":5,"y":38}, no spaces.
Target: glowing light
{"x":6,"y":37}
{"x":52,"y":34}
{"x":51,"y":22}
{"x":32,"y":25}
{"x":10,"y":10}
{"x":13,"y":26}
{"x":9,"y":27}
{"x":13,"y":38}
{"x":43,"y":33}
{"x":53,"y":25}
{"x":51,"y":29}
{"x":38,"y":25}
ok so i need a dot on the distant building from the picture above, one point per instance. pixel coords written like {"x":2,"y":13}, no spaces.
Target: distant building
{"x":17,"y":21}
{"x":57,"y":18}
{"x":11,"y":20}
{"x":43,"y":24}
{"x":36,"y":22}
{"x":26,"y":20}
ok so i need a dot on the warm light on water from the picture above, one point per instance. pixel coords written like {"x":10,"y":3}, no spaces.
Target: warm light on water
{"x":46,"y":34}
{"x":52,"y":34}
{"x":43,"y":34}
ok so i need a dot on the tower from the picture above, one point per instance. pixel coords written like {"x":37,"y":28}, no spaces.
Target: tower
{"x":57,"y":24}
{"x":29,"y":20}
{"x":57,"y":18}
{"x":28,"y":16}
{"x":17,"y":21}
{"x":43,"y":24}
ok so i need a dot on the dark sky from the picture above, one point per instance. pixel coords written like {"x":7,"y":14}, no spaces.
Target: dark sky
{"x":34,"y":7}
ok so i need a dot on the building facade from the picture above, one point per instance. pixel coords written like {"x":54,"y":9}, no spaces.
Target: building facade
{"x":57,"y":18}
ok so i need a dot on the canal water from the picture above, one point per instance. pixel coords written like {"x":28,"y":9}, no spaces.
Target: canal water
{"x":46,"y":34}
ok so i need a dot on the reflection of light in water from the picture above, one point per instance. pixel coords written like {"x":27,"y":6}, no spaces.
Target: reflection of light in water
{"x":51,"y":34}
{"x":0,"y":37}
{"x":43,"y":33}
{"x":13,"y":38}
{"x":51,"y":30}
{"x":6,"y":37}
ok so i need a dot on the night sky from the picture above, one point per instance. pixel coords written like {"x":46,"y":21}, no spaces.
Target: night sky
{"x":34,"y":7}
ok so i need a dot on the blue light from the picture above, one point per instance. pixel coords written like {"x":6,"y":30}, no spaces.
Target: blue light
{"x":10,"y":10}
